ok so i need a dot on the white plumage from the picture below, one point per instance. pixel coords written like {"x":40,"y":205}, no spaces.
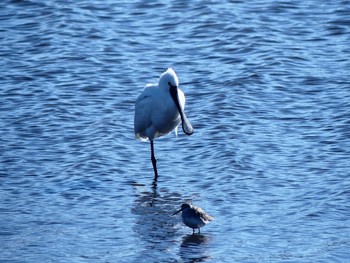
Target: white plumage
{"x":159,"y":110}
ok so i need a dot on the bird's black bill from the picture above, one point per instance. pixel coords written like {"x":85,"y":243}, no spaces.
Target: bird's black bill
{"x":177,"y":212}
{"x":186,"y":125}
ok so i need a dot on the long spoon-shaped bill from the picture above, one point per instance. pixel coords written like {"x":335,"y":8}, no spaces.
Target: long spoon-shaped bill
{"x":186,"y":125}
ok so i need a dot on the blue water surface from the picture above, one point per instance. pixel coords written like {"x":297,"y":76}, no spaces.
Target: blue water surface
{"x":268,"y":94}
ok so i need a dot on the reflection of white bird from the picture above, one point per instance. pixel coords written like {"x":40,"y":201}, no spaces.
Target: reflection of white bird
{"x":194,"y":217}
{"x":159,"y":110}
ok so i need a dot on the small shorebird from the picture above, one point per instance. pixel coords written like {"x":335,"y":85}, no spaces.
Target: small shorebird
{"x":194,"y":217}
{"x":160,"y":109}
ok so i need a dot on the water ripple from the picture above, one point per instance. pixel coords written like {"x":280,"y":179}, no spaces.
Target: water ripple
{"x":267,"y":93}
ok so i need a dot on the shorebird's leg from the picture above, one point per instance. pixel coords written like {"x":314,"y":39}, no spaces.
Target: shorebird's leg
{"x":199,"y":230}
{"x":154,"y":160}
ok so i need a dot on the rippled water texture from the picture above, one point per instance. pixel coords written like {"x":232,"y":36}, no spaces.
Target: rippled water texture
{"x":268,"y":95}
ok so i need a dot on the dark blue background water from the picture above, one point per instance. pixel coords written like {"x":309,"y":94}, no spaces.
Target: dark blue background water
{"x":269,"y":100}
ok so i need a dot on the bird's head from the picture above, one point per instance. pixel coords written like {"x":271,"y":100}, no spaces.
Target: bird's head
{"x":183,"y":207}
{"x":168,"y":79}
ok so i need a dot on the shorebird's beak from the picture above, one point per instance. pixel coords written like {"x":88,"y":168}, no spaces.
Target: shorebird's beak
{"x":178,"y":211}
{"x":186,"y":125}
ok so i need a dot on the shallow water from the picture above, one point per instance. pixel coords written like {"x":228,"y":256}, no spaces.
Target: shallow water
{"x":268,"y":95}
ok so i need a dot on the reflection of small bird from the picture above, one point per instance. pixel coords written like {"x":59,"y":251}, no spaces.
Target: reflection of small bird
{"x":160,"y":109}
{"x":194,"y":217}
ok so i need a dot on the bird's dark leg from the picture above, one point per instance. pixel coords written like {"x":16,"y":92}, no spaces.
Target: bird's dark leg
{"x":199,"y":231}
{"x":154,"y":161}
{"x":192,"y":231}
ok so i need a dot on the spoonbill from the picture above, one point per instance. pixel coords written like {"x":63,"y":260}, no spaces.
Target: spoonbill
{"x":194,"y":217}
{"x":159,"y":109}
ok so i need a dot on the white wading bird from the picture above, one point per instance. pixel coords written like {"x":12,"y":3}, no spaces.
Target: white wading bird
{"x":159,"y":110}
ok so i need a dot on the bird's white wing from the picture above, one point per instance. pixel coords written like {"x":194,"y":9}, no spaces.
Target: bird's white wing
{"x":142,"y":121}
